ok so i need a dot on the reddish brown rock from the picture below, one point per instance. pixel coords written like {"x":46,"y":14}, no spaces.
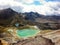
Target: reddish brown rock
{"x":35,"y":41}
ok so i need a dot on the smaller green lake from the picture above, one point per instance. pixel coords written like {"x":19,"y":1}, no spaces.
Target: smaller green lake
{"x":24,"y":33}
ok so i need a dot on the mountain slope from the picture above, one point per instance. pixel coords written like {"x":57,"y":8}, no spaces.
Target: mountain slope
{"x":43,"y":22}
{"x":35,"y":17}
{"x":9,"y":17}
{"x":6,"y":16}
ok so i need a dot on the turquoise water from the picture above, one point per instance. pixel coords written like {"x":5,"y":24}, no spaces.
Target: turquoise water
{"x":27,"y":33}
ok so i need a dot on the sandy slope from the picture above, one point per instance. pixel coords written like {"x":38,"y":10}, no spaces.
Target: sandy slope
{"x":54,"y":36}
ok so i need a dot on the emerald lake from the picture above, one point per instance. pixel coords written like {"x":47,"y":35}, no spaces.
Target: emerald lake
{"x":24,"y":33}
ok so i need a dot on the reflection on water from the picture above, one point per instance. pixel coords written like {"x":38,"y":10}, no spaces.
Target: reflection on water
{"x":17,"y":24}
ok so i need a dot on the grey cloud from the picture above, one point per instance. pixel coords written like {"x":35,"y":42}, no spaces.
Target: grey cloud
{"x":55,"y":9}
{"x":4,"y":6}
{"x":17,"y":8}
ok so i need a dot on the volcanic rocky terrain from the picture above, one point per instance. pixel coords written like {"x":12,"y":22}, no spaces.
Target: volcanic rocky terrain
{"x":8,"y":19}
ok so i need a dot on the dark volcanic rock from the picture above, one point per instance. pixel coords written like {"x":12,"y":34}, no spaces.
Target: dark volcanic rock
{"x":6,"y":13}
{"x":36,"y":17}
{"x":6,"y":16}
{"x":9,"y":17}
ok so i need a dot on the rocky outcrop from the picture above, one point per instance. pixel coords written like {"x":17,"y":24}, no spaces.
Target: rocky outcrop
{"x":38,"y":40}
{"x":54,"y":36}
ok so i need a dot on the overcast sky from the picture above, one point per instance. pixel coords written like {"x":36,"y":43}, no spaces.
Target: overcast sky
{"x":45,"y":7}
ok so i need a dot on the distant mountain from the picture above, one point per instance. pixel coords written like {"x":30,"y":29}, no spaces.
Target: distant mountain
{"x":6,"y":13}
{"x":32,"y":16}
{"x":35,"y":17}
{"x":57,"y":17}
{"x":9,"y":17}
{"x":43,"y":22}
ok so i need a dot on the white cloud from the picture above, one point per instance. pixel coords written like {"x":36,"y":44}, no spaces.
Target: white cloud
{"x":24,"y":6}
{"x":46,"y":8}
{"x":27,"y":1}
{"x":55,"y":6}
{"x":10,"y":2}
